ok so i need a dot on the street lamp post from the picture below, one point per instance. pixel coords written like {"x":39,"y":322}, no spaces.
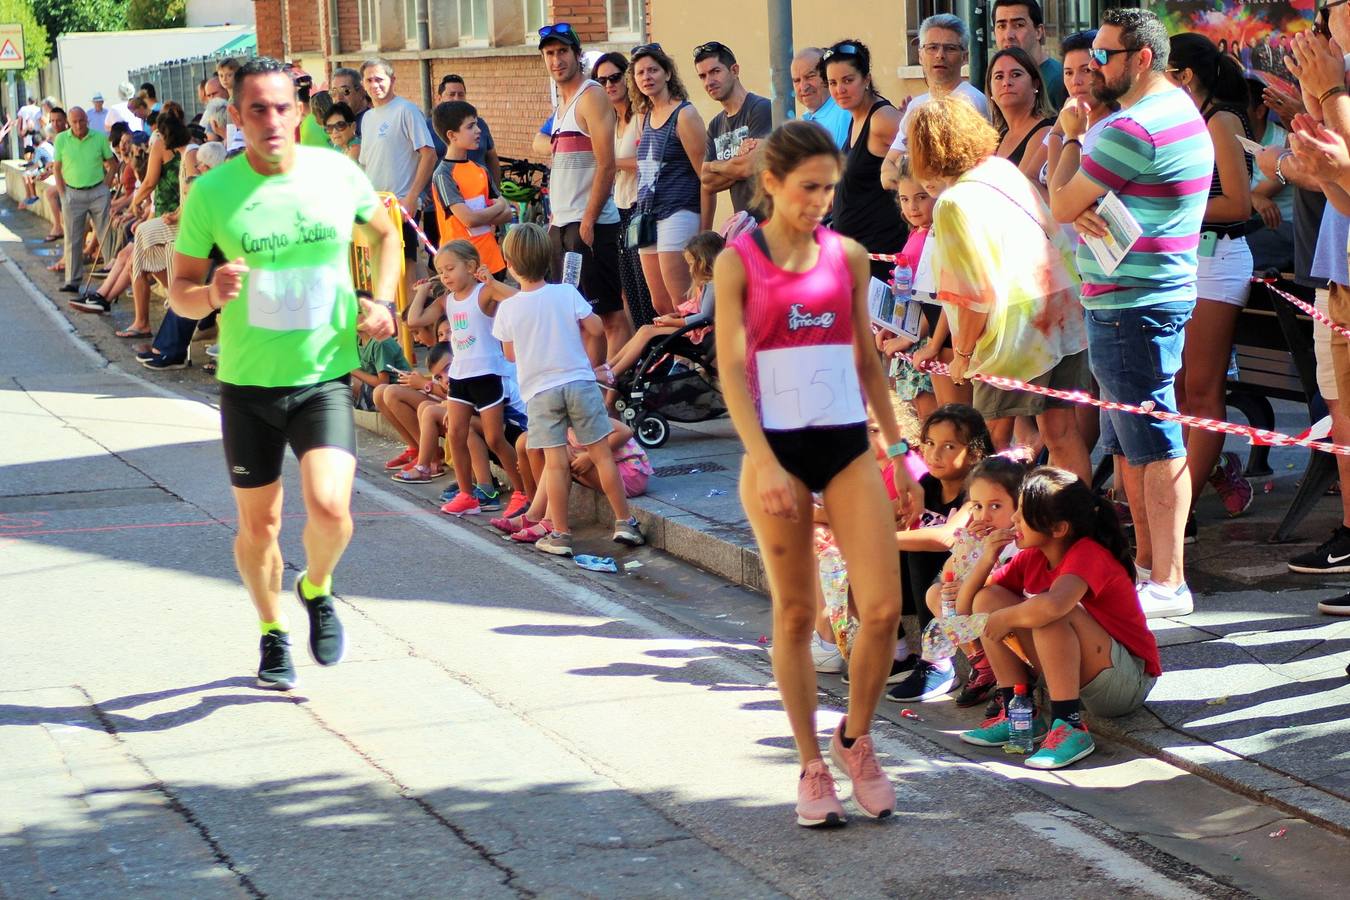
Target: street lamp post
{"x":780,"y":59}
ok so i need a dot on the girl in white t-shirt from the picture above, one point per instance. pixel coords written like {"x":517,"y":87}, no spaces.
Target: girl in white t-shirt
{"x":477,"y":368}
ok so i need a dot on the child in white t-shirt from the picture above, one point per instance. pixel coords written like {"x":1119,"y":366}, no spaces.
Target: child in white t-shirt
{"x":538,"y":328}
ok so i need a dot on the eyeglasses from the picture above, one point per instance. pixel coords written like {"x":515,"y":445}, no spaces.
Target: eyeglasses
{"x":845,"y":49}
{"x":709,"y":49}
{"x":641,"y":49}
{"x":610,"y":79}
{"x":1102,"y":56}
{"x":559,"y":30}
{"x":942,"y":49}
{"x":337,"y":126}
{"x":1323,"y":24}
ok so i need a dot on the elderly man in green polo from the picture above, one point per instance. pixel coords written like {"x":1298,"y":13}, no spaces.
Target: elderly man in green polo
{"x":84,"y":168}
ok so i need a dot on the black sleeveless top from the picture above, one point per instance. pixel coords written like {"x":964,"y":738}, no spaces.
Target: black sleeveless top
{"x":1020,"y":150}
{"x":1215,"y":187}
{"x":862,"y":209}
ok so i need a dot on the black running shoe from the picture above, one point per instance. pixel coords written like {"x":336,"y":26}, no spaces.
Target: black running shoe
{"x":1331,"y":557}
{"x":1336,"y":606}
{"x":276,"y":671}
{"x":327,"y":642}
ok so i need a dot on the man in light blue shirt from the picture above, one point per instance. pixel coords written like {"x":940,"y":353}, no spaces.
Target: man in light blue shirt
{"x":819,"y":105}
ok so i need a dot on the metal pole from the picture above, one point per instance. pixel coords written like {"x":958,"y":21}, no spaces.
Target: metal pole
{"x":780,"y":60}
{"x":979,"y":42}
{"x":12,"y":107}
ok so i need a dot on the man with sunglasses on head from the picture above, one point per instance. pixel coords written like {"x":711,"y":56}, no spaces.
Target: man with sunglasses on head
{"x":944,"y":48}
{"x":1156,"y":156}
{"x":584,"y":218}
{"x":733,"y":134}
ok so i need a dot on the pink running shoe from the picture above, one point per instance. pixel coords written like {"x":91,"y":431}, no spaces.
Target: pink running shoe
{"x":462,"y":505}
{"x":406,"y":458}
{"x":818,"y":805}
{"x":1233,"y":488}
{"x":532,"y":534}
{"x":872,"y":790}
{"x":517,"y":505}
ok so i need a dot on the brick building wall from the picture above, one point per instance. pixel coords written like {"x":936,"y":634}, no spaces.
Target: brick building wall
{"x":509,"y":87}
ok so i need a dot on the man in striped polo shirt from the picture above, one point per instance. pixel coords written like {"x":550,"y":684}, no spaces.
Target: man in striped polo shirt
{"x":1155,"y":154}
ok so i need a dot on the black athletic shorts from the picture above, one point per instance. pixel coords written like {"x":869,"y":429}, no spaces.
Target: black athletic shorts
{"x":600,"y":283}
{"x":258,"y":422}
{"x":481,"y":391}
{"x":816,"y":455}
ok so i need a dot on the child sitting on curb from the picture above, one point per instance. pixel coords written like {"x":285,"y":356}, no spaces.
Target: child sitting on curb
{"x":1070,"y":599}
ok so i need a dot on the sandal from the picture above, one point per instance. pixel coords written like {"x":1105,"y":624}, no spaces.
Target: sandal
{"x":53,"y":238}
{"x":134,"y":333}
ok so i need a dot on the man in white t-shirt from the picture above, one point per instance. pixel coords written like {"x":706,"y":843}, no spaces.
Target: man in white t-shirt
{"x":30,"y":123}
{"x":121,"y":112}
{"x":944,"y":48}
{"x":396,"y":150}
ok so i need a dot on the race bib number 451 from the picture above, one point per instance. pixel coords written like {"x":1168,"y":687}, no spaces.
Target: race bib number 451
{"x":291,"y":299}
{"x":809,"y":387}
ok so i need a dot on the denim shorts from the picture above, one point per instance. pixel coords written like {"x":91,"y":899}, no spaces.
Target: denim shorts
{"x":1135,"y":354}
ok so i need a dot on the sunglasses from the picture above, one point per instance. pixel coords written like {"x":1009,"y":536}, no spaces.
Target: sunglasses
{"x":558,"y":30}
{"x":336,"y":126}
{"x":640,"y":49}
{"x":708,"y":49}
{"x":608,"y":80}
{"x":1101,"y":56}
{"x":1323,"y":24}
{"x":845,"y":49}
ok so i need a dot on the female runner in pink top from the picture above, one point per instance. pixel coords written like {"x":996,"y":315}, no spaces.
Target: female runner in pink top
{"x":795,"y":350}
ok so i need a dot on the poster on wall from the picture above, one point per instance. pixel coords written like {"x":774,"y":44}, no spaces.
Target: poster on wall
{"x":1256,"y":34}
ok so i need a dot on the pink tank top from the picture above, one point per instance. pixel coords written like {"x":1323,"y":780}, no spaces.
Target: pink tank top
{"x":799,"y":338}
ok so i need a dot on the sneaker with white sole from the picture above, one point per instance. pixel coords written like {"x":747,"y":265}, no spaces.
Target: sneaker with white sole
{"x":925,"y":682}
{"x":1336,"y":606}
{"x":1331,"y":557}
{"x":1161,"y":602}
{"x":818,"y":803}
{"x":873,"y":792}
{"x":555,"y":542}
{"x":626,"y":531}
{"x":826,"y":657}
{"x":900,"y":669}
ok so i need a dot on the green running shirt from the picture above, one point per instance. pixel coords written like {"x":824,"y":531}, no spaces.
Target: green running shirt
{"x":294,"y":321}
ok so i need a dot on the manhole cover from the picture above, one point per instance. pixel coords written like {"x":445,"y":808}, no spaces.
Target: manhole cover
{"x":688,"y":469}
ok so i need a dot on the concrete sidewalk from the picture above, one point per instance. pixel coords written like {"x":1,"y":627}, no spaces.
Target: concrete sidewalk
{"x":1254,"y":696}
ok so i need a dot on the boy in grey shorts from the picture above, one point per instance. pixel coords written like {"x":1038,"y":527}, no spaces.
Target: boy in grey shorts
{"x":541,"y":330}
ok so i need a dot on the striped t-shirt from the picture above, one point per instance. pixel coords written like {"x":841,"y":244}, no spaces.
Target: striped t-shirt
{"x":1157,"y":157}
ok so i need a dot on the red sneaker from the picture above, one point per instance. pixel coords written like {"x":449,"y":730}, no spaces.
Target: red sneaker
{"x":517,"y":504}
{"x":403,"y":459}
{"x":462,"y":504}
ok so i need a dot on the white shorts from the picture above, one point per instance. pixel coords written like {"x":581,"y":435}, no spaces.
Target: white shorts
{"x":1227,"y":275}
{"x":1326,"y":369}
{"x":673,"y":232}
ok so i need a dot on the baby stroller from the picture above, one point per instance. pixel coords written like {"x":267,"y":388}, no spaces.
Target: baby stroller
{"x":675,"y":380}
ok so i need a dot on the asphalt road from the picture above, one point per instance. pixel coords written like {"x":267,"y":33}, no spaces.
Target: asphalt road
{"x":504,"y":725}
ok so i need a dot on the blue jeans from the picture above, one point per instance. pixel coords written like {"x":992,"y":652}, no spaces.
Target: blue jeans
{"x":175,"y":335}
{"x":1135,"y":354}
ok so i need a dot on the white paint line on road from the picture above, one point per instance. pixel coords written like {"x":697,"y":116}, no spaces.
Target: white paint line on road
{"x":1114,"y":864}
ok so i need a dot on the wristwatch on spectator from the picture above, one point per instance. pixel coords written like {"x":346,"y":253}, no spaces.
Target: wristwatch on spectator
{"x":1279,"y":163}
{"x":899,"y":448}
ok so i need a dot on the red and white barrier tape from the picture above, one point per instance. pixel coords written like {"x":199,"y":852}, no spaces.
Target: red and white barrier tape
{"x":407,"y":217}
{"x":1316,"y":314}
{"x":1253,"y":435}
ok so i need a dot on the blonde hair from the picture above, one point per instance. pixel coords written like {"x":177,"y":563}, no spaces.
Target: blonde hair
{"x":463,"y":250}
{"x":948,"y":138}
{"x":529,"y":252}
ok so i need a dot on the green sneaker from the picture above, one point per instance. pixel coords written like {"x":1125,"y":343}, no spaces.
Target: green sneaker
{"x":996,"y":732}
{"x":1063,"y":746}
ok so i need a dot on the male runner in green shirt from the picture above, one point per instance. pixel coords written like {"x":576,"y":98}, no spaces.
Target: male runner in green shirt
{"x":289,"y":320}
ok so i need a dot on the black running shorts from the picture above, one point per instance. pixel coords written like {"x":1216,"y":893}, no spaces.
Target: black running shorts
{"x":258,"y":422}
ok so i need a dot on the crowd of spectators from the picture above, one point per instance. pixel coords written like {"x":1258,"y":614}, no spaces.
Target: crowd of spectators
{"x":990,"y":197}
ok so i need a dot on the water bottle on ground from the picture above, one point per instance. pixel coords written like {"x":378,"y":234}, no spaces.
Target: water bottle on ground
{"x":572,"y":268}
{"x":1021,"y":722}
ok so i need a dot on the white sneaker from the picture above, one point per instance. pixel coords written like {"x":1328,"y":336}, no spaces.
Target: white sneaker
{"x":1159,"y":601}
{"x":826,"y":657}
{"x":213,"y":351}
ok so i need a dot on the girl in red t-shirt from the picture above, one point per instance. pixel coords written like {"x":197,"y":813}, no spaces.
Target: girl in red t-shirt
{"x":1070,"y":598}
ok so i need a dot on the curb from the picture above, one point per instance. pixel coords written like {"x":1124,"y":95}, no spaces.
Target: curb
{"x":703,"y":543}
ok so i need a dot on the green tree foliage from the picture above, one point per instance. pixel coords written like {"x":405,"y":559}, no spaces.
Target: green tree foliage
{"x":156,"y":13}
{"x":36,"y":48}
{"x":62,"y":16}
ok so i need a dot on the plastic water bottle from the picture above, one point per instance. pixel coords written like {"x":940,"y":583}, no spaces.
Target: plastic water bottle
{"x":1021,"y":719}
{"x":948,"y":604}
{"x":902,"y":280}
{"x":572,"y":268}
{"x":834,"y":586}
